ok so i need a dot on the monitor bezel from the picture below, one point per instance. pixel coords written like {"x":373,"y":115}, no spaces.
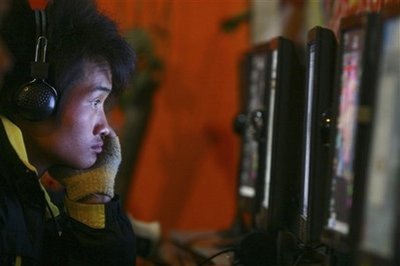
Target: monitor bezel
{"x":284,"y":192}
{"x":325,"y":43}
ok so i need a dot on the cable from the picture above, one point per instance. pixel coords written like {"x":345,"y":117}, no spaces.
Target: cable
{"x":53,"y":218}
{"x":216,"y":254}
{"x":311,"y":247}
{"x":298,"y":260}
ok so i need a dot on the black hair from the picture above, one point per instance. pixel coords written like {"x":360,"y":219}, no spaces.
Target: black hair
{"x":77,"y":32}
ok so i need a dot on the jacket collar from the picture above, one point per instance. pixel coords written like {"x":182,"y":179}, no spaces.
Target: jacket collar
{"x":16,"y":139}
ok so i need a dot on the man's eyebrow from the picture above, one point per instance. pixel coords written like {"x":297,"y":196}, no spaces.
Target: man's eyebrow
{"x":102,"y":88}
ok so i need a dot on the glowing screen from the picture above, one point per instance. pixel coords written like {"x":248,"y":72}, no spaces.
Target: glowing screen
{"x":343,"y":174}
{"x":383,"y":174}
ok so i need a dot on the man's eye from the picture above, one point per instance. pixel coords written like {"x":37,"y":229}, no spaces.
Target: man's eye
{"x":96,"y":103}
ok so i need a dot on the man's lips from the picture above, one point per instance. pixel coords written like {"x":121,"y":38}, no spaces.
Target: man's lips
{"x":98,"y":147}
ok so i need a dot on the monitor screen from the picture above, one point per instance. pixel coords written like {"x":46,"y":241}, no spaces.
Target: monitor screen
{"x":382,"y":179}
{"x":270,"y":125}
{"x":346,"y":128}
{"x":308,"y":129}
{"x":250,"y":152}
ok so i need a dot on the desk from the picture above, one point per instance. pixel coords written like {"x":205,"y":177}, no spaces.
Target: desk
{"x":204,"y":244}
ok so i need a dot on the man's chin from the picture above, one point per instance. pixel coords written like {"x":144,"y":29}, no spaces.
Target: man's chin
{"x":88,"y":164}
{"x":84,"y":164}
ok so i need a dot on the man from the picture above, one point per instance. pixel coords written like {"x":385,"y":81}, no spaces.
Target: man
{"x":66,"y":62}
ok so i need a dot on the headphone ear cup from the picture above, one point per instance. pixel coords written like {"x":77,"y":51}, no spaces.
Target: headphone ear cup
{"x":36,"y":100}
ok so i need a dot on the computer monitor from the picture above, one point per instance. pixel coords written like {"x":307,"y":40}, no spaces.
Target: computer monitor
{"x":320,"y":76}
{"x":354,"y":89}
{"x":251,"y":151}
{"x":379,"y":243}
{"x":283,"y":114}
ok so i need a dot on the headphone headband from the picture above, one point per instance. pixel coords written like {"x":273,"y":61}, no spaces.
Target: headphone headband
{"x":41,"y":22}
{"x":39,"y":68}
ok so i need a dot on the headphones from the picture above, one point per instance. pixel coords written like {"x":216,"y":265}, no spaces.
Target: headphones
{"x":37,"y":99}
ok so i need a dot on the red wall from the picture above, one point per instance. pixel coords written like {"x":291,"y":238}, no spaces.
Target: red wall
{"x":186,"y":174}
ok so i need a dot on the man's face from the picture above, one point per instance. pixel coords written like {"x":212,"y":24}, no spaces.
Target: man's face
{"x":74,"y":138}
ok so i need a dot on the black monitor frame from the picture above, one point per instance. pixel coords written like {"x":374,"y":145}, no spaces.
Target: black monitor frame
{"x":320,"y":75}
{"x":284,"y":104}
{"x":365,"y":255}
{"x":366,"y":24}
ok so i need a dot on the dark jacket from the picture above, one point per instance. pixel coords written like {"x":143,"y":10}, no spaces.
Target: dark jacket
{"x":32,"y":234}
